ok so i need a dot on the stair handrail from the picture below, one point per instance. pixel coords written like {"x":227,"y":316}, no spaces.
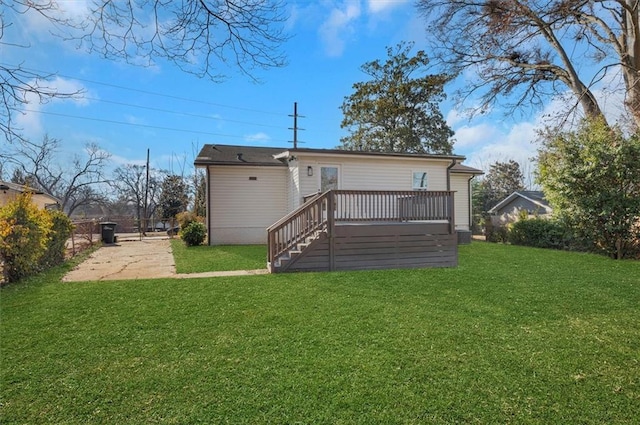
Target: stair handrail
{"x":295,"y":227}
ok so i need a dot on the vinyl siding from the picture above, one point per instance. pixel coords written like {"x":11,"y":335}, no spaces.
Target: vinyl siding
{"x":372,"y":173}
{"x":242,"y":209}
{"x":460,"y":184}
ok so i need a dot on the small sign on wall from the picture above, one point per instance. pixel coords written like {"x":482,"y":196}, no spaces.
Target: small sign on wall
{"x":253,"y":178}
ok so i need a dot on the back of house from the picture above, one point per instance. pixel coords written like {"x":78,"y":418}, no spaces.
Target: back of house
{"x":249,"y":188}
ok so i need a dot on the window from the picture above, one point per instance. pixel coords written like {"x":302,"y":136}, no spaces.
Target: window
{"x":419,"y":180}
{"x":328,"y":178}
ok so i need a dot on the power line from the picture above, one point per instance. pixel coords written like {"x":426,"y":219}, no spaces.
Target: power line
{"x":169,"y":96}
{"x":150,"y":108}
{"x":137,"y":125}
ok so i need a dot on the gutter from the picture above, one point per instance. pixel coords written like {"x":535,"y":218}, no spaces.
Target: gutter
{"x":453,"y":163}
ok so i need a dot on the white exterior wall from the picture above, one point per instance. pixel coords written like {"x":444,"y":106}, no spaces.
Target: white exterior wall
{"x":460,"y":184}
{"x":242,"y":209}
{"x":362,"y":173}
{"x":294,"y":186}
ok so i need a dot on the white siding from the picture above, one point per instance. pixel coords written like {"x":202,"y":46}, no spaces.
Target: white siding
{"x":362,"y":173}
{"x":294,"y":186}
{"x":242,"y":209}
{"x":460,"y":184}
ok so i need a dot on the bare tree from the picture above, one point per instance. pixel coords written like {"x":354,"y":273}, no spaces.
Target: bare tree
{"x":527,"y":51}
{"x":199,"y":36}
{"x":130,"y":183}
{"x":75,"y":183}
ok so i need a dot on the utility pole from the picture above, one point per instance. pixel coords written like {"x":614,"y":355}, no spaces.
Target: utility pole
{"x":146,"y":197}
{"x":295,"y":125}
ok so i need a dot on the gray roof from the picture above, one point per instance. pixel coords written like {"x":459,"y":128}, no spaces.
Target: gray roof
{"x":23,"y":188}
{"x":465,"y":169}
{"x":535,"y":196}
{"x":264,"y":156}
{"x":239,"y":155}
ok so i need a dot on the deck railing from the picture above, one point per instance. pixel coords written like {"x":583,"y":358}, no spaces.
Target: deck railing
{"x":296,"y":226}
{"x":366,"y":205}
{"x":355,"y":206}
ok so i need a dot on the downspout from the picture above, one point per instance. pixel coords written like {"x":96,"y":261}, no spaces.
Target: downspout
{"x":449,"y":174}
{"x":207,"y":197}
{"x":452,"y":225}
{"x":470,"y":202}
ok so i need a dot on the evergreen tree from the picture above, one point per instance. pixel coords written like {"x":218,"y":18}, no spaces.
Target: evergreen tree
{"x":398,"y":109}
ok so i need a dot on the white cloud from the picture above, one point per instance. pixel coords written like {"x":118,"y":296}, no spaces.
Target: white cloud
{"x":42,"y":24}
{"x":468,"y":136}
{"x":135,"y":120}
{"x":339,"y":26}
{"x":29,"y":119}
{"x":453,"y":117}
{"x":378,"y":6}
{"x":257,"y":138}
{"x":517,"y":144}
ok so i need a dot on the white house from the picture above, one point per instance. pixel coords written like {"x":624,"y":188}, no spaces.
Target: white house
{"x":250,"y":188}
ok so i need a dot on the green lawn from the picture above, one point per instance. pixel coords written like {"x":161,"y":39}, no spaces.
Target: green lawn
{"x":197,"y":259}
{"x":513,"y":335}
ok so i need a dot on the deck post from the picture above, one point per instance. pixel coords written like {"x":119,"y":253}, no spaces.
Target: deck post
{"x":331,"y":204}
{"x":452,"y":214}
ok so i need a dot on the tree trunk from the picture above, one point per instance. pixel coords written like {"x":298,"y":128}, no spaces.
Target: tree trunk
{"x":630,"y":41}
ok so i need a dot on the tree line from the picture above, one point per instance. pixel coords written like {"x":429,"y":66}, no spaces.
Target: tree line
{"x":85,"y":181}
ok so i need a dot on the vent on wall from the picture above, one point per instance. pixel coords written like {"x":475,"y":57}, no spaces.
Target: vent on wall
{"x":253,"y":178}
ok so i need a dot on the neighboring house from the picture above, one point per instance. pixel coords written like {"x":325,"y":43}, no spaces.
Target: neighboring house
{"x":9,"y":191}
{"x":508,"y":210}
{"x":251,"y":188}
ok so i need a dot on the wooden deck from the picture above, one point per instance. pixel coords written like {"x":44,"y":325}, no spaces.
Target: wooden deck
{"x":367,"y":230}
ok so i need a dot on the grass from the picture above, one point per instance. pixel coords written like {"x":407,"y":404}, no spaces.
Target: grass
{"x":512,"y":335}
{"x":197,"y":259}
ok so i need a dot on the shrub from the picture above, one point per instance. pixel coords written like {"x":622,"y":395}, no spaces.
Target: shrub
{"x":194,"y":234}
{"x":187,"y":217}
{"x":494,"y":233}
{"x":24,"y":235}
{"x":61,"y":228}
{"x":539,"y":233}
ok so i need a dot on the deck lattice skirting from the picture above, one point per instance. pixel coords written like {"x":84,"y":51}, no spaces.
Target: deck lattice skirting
{"x":366,"y":230}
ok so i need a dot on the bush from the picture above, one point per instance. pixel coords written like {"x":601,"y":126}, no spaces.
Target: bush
{"x":194,"y":234}
{"x":185,"y":218}
{"x":24,"y":236}
{"x":61,"y":228}
{"x":497,"y":234}
{"x":539,"y":233}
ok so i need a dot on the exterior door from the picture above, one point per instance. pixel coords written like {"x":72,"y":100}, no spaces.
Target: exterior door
{"x":329,"y":177}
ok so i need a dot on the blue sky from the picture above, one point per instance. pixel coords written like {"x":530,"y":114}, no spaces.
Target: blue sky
{"x":128,"y":109}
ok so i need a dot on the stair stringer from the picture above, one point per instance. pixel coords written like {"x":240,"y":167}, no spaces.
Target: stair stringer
{"x":300,"y":252}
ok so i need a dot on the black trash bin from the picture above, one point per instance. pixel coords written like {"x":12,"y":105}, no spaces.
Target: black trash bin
{"x":108,"y":232}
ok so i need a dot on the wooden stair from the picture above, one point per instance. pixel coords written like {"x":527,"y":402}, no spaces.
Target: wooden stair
{"x":283,"y":262}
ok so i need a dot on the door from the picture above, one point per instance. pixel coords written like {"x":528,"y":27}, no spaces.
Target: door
{"x":329,"y":180}
{"x":329,"y":177}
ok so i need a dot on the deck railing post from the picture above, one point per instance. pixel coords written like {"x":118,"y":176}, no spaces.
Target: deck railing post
{"x":452,"y":214}
{"x":330,"y":227}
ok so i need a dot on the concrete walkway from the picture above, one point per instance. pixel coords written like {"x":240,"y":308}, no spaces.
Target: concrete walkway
{"x":149,"y":258}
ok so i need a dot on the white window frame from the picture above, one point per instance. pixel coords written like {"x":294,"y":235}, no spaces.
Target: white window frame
{"x":425,"y":177}
{"x":339,"y":175}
